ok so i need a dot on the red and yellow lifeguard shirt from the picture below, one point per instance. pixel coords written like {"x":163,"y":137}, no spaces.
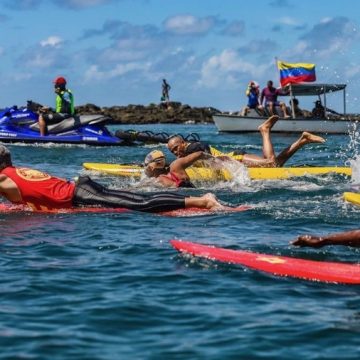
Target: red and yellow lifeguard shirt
{"x":39,"y":190}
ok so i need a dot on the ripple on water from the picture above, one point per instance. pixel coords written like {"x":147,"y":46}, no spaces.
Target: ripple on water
{"x":105,"y":286}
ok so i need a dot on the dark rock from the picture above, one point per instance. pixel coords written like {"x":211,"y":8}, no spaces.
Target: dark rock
{"x":172,"y":112}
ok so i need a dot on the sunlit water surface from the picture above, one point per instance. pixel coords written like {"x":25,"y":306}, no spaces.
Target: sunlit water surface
{"x":109,"y":286}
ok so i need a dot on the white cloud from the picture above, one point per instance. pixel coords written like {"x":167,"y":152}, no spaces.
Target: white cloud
{"x":330,"y":37}
{"x":352,"y":71}
{"x":52,"y":41}
{"x":326,"y":20}
{"x":189,"y":24}
{"x":287,"y":20}
{"x":93,"y":73}
{"x":21,"y":76}
{"x":299,"y":48}
{"x":39,"y":60}
{"x":222,"y":69}
{"x":79,"y":4}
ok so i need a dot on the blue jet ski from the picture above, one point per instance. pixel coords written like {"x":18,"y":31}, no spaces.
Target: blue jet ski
{"x":21,"y":125}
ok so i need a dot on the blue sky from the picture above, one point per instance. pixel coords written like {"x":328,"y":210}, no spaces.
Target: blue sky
{"x":116,"y":52}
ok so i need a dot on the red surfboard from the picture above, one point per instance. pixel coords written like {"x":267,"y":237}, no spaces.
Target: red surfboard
{"x":5,"y":208}
{"x":277,"y":265}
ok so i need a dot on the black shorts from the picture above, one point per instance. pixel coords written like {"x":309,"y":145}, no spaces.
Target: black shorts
{"x":90,"y":193}
{"x":54,"y":118}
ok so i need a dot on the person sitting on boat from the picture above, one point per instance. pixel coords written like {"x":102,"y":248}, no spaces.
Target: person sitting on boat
{"x":179,"y":148}
{"x":253,"y":94}
{"x":299,"y":113}
{"x":318,"y":112}
{"x":41,"y":192}
{"x":347,"y":238}
{"x":294,"y":104}
{"x":270,"y":94}
{"x":64,"y":106}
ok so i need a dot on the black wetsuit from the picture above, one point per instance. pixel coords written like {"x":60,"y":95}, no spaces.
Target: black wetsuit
{"x":90,"y":193}
{"x":200,"y":146}
{"x":197,"y":146}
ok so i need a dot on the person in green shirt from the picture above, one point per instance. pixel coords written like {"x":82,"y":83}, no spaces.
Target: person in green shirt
{"x":64,"y":106}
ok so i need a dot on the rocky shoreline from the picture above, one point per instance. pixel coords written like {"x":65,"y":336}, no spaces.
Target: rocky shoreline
{"x":173,"y":112}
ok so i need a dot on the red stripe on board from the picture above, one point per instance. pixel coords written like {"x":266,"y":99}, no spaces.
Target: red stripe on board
{"x":277,"y":265}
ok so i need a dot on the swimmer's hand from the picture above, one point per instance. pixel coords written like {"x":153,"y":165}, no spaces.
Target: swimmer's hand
{"x":309,"y":240}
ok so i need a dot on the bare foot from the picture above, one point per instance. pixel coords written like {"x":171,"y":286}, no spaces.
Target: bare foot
{"x":268,"y":124}
{"x":210,"y":196}
{"x":213,"y":204}
{"x":311,"y":138}
{"x":287,"y":117}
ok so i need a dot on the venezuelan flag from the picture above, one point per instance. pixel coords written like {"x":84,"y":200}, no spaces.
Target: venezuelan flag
{"x":296,"y":73}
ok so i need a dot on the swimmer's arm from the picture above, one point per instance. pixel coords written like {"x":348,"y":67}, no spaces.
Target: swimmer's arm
{"x":9,"y":190}
{"x":190,"y":159}
{"x":2,"y":185}
{"x":350,"y":238}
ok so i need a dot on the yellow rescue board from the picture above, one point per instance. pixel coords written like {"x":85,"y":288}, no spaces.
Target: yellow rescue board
{"x":354,"y":198}
{"x":208,"y":174}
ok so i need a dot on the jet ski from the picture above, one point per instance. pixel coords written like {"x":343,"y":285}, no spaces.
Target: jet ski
{"x":20,"y":125}
{"x":133,"y":137}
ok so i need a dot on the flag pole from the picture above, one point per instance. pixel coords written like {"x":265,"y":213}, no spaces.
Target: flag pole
{"x":292,"y":102}
{"x":276,"y":66}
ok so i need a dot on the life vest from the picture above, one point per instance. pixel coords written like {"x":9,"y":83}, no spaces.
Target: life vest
{"x":65,"y":102}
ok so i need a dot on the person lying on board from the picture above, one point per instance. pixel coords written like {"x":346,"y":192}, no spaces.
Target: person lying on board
{"x":269,"y":159}
{"x":180,"y":148}
{"x":42,"y":192}
{"x":348,"y":238}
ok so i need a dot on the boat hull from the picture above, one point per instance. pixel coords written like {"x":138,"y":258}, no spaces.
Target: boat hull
{"x":246,"y":124}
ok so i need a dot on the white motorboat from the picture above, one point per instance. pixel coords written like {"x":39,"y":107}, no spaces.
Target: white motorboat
{"x":331,"y":123}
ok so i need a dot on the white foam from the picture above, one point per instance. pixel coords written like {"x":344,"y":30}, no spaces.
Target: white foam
{"x":355,"y":167}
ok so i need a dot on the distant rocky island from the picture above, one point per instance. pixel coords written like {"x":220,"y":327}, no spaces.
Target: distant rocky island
{"x":173,"y":112}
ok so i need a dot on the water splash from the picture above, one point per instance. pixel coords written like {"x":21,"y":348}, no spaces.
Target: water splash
{"x":354,"y":143}
{"x":355,"y":167}
{"x":229,"y":174}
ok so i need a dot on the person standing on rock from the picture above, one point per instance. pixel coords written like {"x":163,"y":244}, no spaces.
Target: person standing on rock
{"x":165,"y":91}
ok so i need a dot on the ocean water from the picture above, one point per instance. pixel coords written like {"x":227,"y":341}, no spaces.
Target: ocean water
{"x":110,"y":286}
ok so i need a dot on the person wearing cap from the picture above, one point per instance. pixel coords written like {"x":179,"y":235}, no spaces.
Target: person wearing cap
{"x":41,"y":191}
{"x":64,"y":106}
{"x":175,"y":174}
{"x":253,"y":93}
